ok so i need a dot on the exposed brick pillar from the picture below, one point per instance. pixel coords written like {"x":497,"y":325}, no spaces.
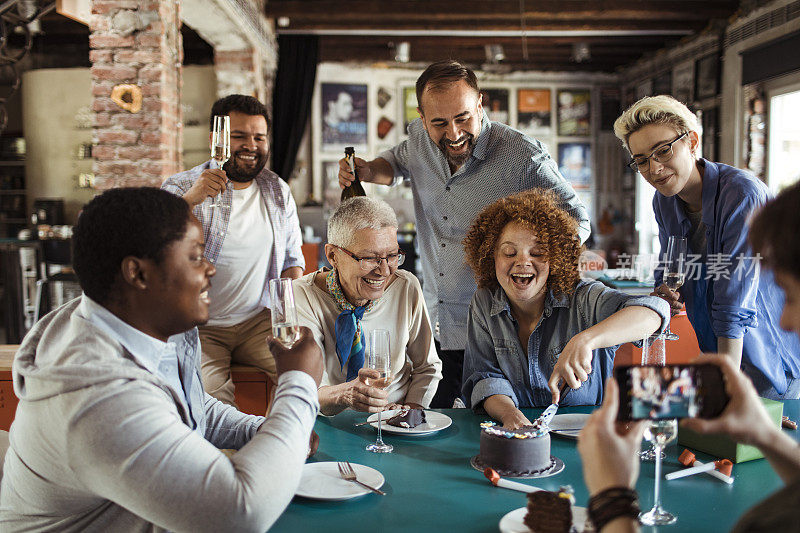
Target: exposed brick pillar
{"x":136,"y":43}
{"x":240,"y":72}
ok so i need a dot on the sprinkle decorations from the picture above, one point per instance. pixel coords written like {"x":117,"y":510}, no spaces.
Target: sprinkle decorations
{"x":529,"y":432}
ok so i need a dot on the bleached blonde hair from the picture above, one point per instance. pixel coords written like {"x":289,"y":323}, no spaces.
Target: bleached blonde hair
{"x":661,"y":109}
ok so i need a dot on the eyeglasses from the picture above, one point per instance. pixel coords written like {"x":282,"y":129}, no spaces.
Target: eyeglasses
{"x":371,"y":263}
{"x":662,"y":154}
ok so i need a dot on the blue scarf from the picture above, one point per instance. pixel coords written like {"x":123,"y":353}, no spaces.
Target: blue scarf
{"x":349,"y":338}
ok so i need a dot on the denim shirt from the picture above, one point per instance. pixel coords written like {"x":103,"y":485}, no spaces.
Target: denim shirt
{"x":722,"y":301}
{"x":495,"y":363}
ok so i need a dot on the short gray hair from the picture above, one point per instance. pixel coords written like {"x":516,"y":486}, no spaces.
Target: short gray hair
{"x":662,"y":109}
{"x":359,"y":213}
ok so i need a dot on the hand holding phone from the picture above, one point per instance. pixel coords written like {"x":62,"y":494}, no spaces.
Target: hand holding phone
{"x":671,"y":391}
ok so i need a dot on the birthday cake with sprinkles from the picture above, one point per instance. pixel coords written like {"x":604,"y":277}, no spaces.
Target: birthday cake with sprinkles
{"x":521,"y":452}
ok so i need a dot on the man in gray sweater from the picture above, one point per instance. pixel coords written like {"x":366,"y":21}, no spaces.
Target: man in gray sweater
{"x":113,"y":431}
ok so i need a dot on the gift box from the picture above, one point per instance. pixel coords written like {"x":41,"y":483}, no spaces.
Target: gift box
{"x":723,"y":446}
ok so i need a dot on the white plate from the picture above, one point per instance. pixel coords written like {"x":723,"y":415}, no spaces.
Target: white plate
{"x":512,"y":522}
{"x":568,"y":425}
{"x":435,"y":421}
{"x":322,"y":481}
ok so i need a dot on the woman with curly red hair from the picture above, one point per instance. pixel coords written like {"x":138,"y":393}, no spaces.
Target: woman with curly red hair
{"x":533,"y":323}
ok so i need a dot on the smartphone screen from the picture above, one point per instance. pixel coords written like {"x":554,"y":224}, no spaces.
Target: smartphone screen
{"x":671,"y":391}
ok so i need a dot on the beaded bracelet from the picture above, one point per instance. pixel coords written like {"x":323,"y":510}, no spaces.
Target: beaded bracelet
{"x":612,"y":503}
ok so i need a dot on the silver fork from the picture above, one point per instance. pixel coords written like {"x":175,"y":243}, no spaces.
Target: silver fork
{"x":348,"y":474}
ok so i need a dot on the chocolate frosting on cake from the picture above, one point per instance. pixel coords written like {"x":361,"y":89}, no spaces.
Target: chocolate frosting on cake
{"x":523,"y":450}
{"x":408,"y":418}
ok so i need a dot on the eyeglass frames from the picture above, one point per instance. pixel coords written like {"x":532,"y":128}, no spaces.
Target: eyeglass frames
{"x":371,"y":263}
{"x":662,"y":154}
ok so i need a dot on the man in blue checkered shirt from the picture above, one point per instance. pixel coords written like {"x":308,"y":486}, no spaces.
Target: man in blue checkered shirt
{"x":458,"y":161}
{"x":252,"y":235}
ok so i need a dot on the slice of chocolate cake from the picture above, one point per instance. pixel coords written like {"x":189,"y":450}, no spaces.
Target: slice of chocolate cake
{"x":550,"y":512}
{"x":407,"y":418}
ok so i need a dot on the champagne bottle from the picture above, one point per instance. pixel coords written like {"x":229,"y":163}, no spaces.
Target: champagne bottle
{"x":355,"y":188}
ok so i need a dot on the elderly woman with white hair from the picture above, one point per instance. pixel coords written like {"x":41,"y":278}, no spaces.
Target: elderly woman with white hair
{"x":365,"y":291}
{"x":734,"y":309}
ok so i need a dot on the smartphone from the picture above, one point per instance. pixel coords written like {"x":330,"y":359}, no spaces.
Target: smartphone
{"x":671,"y":391}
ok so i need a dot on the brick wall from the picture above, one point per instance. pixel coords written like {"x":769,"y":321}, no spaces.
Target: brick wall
{"x":136,"y":42}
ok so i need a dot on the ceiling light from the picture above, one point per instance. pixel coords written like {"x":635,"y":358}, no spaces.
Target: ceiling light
{"x":402,"y":52}
{"x":494,"y":53}
{"x":581,"y":52}
{"x":283,"y":22}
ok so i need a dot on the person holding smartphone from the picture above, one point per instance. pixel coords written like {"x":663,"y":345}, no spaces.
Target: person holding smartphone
{"x":609,"y":450}
{"x":732,"y":307}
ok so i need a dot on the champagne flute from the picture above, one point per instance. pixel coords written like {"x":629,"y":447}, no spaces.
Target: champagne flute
{"x":379,"y":359}
{"x":659,"y":432}
{"x":220,"y":148}
{"x":284,"y":313}
{"x":653,"y":353}
{"x":675,"y":270}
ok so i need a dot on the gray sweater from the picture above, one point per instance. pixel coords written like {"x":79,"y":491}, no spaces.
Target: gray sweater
{"x":100,"y":443}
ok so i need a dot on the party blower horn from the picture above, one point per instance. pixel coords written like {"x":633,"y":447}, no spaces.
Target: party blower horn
{"x":719,"y":469}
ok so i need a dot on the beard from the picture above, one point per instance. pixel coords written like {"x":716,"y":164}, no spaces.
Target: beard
{"x":241,"y":174}
{"x":457,"y":160}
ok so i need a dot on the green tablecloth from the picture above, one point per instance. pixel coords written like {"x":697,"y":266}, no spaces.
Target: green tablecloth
{"x":431,"y":486}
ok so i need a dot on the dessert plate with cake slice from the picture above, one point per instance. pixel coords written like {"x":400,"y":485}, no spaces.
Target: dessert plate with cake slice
{"x":323,"y":481}
{"x":568,"y":425}
{"x":414,"y":422}
{"x":513,"y":522}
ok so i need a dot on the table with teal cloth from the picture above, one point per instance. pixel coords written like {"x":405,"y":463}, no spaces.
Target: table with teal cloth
{"x":430,"y":485}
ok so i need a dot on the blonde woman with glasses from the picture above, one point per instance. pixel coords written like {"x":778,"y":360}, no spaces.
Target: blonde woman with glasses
{"x":733,"y":307}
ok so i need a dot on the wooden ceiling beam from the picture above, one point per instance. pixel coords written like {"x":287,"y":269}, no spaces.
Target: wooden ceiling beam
{"x":466,"y":10}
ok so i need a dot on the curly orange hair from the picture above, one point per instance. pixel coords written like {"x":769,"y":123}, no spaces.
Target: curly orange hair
{"x":555,"y":230}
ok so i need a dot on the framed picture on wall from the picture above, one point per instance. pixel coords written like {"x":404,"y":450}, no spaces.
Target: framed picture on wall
{"x":534,"y":112}
{"x":495,"y":103}
{"x":344,"y":117}
{"x":707,"y":77}
{"x":575,"y":164}
{"x":683,"y":82}
{"x":574,"y":113}
{"x":410,"y":112}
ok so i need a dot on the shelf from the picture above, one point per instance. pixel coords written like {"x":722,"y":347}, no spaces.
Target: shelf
{"x":13,"y":220}
{"x":18,"y":163}
{"x":12,"y":191}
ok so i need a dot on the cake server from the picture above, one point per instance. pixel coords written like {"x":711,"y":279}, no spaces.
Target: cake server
{"x":548,"y":414}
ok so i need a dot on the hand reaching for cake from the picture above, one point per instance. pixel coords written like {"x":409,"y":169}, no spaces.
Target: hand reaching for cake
{"x":502,"y":408}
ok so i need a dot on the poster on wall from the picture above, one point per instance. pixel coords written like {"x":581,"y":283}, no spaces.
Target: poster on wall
{"x":575,"y":164}
{"x":534,"y":110}
{"x":574,"y":113}
{"x":344,"y":117}
{"x":707,"y":77}
{"x":495,"y":103}
{"x":683,"y":82}
{"x":409,"y":107}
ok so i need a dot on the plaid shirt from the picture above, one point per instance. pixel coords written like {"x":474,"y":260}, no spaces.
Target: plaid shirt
{"x":281,"y":208}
